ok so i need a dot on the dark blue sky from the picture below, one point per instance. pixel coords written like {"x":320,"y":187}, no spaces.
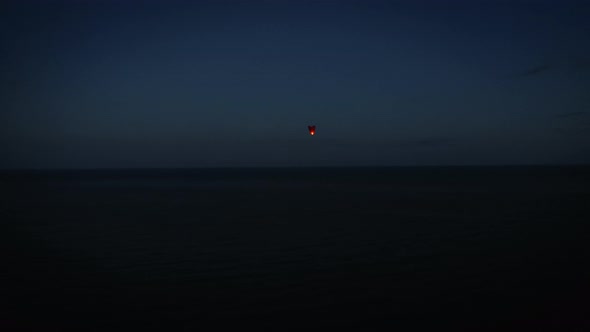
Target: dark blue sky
{"x":201,"y":84}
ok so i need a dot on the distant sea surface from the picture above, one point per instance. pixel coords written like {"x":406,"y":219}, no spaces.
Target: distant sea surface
{"x":473,"y":248}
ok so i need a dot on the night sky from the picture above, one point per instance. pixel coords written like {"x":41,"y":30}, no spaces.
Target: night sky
{"x":133,"y":84}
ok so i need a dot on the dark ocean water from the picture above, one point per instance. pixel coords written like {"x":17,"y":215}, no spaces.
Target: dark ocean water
{"x":473,"y":248}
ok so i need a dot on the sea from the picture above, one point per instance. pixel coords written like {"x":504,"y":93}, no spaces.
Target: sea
{"x":469,"y":248}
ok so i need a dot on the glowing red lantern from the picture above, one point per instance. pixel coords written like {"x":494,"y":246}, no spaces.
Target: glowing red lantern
{"x":311,"y":130}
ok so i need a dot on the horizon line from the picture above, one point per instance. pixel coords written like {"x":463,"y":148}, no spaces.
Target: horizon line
{"x":289,"y":167}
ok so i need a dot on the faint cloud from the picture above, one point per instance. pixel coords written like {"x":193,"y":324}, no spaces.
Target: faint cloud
{"x":390,"y":143}
{"x":578,"y":126}
{"x":533,"y":71}
{"x":426,"y":142}
{"x":571,"y":114}
{"x":579,"y":131}
{"x":582,"y":64}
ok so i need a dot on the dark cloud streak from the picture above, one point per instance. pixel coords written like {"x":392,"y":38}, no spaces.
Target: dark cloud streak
{"x":533,"y":71}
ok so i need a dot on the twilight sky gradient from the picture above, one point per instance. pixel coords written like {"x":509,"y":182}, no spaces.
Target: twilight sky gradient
{"x":92,"y":84}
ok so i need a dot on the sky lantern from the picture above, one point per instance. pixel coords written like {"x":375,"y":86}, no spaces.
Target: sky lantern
{"x":311,"y":130}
